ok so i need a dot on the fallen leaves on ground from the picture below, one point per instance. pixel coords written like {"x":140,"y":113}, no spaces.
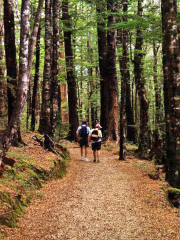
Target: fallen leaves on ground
{"x":106,"y":201}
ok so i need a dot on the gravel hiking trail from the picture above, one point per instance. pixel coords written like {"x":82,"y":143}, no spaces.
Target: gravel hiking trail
{"x":110,"y":200}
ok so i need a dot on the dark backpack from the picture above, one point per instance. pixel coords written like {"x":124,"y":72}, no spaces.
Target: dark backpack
{"x":83,"y":133}
{"x":95,"y":135}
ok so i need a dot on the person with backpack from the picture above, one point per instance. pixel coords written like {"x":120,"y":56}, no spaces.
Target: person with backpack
{"x":96,"y":136}
{"x":82,"y":134}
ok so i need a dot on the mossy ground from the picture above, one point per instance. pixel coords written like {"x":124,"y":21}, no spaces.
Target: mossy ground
{"x":20,"y":184}
{"x":174,"y":196}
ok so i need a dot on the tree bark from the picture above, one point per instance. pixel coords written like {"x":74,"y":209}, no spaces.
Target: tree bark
{"x":10,"y":50}
{"x":102,"y":49}
{"x":131,"y":100}
{"x":36,"y":79}
{"x":158,"y":116}
{"x":124,"y":78}
{"x":55,"y":70}
{"x":32,"y":41}
{"x":72,"y":87}
{"x":131,"y":132}
{"x":111,"y":74}
{"x":2,"y":71}
{"x":90,"y":72}
{"x":63,"y":94}
{"x":140,"y":86}
{"x":11,"y":130}
{"x":45,"y":107}
{"x":171,"y":53}
{"x":29,"y":103}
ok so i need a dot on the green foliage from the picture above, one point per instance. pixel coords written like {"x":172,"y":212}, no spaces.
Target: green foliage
{"x":59,"y":169}
{"x":12,"y":209}
{"x":62,"y":129}
{"x":153,"y":175}
{"x":174,"y":191}
{"x":174,"y":196}
{"x":141,"y":164}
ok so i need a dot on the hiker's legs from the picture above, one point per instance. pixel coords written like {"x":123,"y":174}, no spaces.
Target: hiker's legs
{"x":94,"y":154}
{"x":86,"y":152}
{"x":98,"y":155}
{"x":81,"y":151}
{"x":98,"y":150}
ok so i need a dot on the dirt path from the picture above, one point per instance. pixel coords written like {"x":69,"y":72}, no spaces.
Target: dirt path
{"x":111,"y":200}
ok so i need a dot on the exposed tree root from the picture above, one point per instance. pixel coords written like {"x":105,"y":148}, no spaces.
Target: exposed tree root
{"x":39,"y":140}
{"x":48,"y":143}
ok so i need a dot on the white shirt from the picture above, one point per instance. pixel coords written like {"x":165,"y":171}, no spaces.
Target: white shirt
{"x":100,"y":135}
{"x":88,"y":129}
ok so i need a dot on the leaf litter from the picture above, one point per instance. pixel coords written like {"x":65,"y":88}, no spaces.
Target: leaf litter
{"x":111,"y":200}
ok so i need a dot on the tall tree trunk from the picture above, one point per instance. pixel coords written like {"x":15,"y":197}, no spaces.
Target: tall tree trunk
{"x":171,"y":55}
{"x":59,"y":103}
{"x":2,"y":71}
{"x":126,"y":109}
{"x":90,"y":104}
{"x":45,"y":107}
{"x":32,"y":43}
{"x":158,"y":116}
{"x":102,"y":49}
{"x":81,"y":87}
{"x":97,"y":90}
{"x":72,"y":95}
{"x":55,"y":71}
{"x":10,"y":50}
{"x":36,"y":79}
{"x":11,"y":64}
{"x":29,"y":103}
{"x":131,"y":100}
{"x":64,"y":114}
{"x":131,"y":132}
{"x":140,"y":86}
{"x":11,"y":130}
{"x":124,"y":78}
{"x":93,"y":105}
{"x":136,"y":113}
{"x":38,"y":104}
{"x":111,"y":74}
{"x":80,"y":107}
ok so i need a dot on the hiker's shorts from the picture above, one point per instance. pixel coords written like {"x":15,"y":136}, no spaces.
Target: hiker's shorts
{"x":84,"y":142}
{"x":96,"y":146}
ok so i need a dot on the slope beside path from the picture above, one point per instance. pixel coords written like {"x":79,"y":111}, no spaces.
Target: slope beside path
{"x":111,"y":200}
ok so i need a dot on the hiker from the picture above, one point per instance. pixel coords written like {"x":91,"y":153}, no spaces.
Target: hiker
{"x":96,"y":136}
{"x":82,"y":134}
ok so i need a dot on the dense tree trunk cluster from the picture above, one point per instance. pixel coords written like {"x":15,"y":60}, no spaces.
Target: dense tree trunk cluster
{"x":45,"y":108}
{"x":171,"y":71}
{"x":111,"y":74}
{"x":15,"y":120}
{"x":10,"y":49}
{"x":2,"y":70}
{"x":102,"y":49}
{"x":140,"y":86}
{"x":72,"y":86}
{"x":36,"y":79}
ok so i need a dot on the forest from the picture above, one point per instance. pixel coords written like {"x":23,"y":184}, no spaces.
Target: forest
{"x":113,"y":62}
